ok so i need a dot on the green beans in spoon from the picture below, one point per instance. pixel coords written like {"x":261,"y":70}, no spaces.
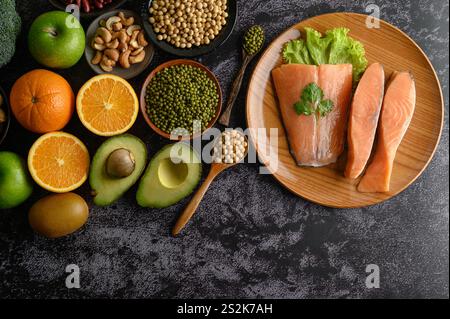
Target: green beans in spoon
{"x":252,"y":44}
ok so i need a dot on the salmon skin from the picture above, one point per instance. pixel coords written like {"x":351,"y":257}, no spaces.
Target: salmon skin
{"x":396,"y":114}
{"x":363,"y":120}
{"x":314,"y":140}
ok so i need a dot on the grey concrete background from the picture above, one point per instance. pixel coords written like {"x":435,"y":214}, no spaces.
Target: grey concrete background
{"x":250,"y":237}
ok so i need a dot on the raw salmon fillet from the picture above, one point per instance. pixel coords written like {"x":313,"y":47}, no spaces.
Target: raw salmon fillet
{"x":314,"y":141}
{"x":396,"y":114}
{"x":363,"y":121}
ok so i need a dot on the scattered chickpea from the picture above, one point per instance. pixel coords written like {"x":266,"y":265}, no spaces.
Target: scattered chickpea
{"x":198,"y":22}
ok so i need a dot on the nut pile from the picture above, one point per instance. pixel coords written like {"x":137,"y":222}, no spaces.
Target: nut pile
{"x":89,"y":5}
{"x":2,"y":113}
{"x":118,"y":41}
{"x":230,"y":148}
{"x":188,"y":23}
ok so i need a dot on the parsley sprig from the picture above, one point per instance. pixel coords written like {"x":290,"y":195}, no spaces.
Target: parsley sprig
{"x":312,"y":102}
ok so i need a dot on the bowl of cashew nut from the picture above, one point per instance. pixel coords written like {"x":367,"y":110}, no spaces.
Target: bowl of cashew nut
{"x":118,"y":44}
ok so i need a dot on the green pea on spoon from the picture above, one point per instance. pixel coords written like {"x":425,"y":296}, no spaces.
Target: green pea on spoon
{"x":253,"y":42}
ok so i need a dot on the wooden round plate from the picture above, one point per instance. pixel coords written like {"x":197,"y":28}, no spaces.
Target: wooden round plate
{"x":327,"y":186}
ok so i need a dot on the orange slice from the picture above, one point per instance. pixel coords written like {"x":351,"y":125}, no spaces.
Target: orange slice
{"x":107,"y":105}
{"x":59,"y":162}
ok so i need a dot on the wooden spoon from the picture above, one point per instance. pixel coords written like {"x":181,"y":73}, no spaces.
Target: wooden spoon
{"x":236,"y":87}
{"x":189,"y":211}
{"x":225,"y":118}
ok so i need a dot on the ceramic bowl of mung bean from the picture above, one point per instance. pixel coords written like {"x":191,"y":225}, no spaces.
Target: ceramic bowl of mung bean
{"x":181,"y":99}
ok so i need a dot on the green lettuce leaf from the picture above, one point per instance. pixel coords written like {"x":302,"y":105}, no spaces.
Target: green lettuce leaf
{"x":296,"y":52}
{"x":318,"y":46}
{"x":344,"y":49}
{"x":336,"y":47}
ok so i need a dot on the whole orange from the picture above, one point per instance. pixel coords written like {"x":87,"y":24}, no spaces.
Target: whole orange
{"x":42,"y":101}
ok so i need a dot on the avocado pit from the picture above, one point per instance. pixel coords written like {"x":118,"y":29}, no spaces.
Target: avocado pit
{"x":120,"y":163}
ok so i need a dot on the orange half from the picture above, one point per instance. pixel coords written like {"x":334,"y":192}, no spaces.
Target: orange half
{"x":59,"y":162}
{"x":107,"y":105}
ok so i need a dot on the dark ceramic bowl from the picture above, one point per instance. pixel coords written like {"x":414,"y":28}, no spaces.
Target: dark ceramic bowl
{"x":59,"y":4}
{"x":135,"y":69}
{"x":143,"y":102}
{"x":221,"y":38}
{"x":4,"y":127}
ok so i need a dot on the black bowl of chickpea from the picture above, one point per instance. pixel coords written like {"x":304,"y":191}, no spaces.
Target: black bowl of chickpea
{"x":189,"y":28}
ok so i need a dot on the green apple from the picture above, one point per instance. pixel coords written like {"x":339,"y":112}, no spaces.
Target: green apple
{"x":15,"y":183}
{"x":57,"y":40}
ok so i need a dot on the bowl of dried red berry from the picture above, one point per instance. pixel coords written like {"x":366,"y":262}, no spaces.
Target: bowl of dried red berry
{"x":89,"y":8}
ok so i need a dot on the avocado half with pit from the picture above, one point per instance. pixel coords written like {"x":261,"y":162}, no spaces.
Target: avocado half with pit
{"x":116,"y":167}
{"x":173,"y":174}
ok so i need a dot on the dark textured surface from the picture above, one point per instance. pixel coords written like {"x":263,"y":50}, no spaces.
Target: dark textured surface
{"x":250,"y":237}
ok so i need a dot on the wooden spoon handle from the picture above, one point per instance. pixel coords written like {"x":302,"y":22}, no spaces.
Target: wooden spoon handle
{"x":225,"y":118}
{"x":190,"y":209}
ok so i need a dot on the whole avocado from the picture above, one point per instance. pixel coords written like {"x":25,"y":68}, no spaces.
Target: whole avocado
{"x":10,"y":25}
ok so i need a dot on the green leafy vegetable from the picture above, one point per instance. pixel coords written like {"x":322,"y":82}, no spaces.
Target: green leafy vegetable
{"x":317,"y":46}
{"x":312,"y":102}
{"x":295,"y":52}
{"x":336,"y":47}
{"x":303,"y":108}
{"x":344,"y":49}
{"x":10,"y":25}
{"x":325,"y":107}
